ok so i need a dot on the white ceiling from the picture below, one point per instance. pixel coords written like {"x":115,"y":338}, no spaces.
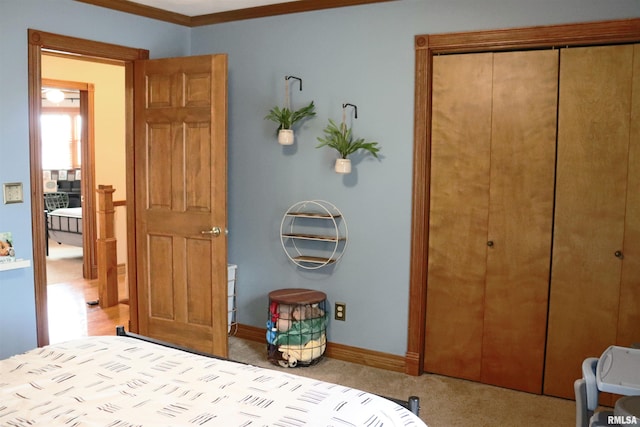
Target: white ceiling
{"x":205,"y":7}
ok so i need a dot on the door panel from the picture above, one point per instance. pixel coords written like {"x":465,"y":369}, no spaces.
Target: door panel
{"x":181,"y":181}
{"x":492,"y":190}
{"x":523,"y":144}
{"x":593,"y":144}
{"x":159,"y":155}
{"x":161,"y":275}
{"x":197,"y":178}
{"x":629,"y":316}
{"x":198,"y":296}
{"x":461,"y":127}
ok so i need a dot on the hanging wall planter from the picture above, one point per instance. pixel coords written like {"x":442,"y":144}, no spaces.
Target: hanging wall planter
{"x":343,"y":166}
{"x":341,"y":139}
{"x":286,"y":117}
{"x":285,"y":136}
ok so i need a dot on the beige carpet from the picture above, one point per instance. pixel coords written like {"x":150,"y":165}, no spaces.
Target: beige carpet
{"x":444,"y":402}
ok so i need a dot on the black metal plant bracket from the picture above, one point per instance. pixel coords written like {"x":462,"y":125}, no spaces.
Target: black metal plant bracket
{"x":354,"y":107}
{"x":297,"y":78}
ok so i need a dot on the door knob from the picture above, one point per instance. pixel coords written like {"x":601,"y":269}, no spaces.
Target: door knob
{"x":490,"y":243}
{"x":619,"y":254}
{"x":216,"y":231}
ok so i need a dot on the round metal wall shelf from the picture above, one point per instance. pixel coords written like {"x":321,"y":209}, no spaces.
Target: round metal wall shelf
{"x":313,"y":234}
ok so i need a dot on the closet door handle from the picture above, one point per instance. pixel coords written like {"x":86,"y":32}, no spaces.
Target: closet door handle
{"x":490,"y":243}
{"x":619,"y":254}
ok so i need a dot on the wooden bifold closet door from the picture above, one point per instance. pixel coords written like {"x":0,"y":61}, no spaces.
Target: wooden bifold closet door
{"x":595,"y":281}
{"x":534,"y":258}
{"x":491,"y":210}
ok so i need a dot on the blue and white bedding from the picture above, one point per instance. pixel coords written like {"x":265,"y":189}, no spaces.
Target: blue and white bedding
{"x":123,"y":382}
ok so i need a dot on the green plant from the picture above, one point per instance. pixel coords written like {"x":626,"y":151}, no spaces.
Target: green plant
{"x":341,"y":139}
{"x":287,"y":118}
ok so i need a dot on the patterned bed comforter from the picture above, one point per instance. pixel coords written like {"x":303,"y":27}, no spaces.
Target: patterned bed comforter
{"x":123,"y":382}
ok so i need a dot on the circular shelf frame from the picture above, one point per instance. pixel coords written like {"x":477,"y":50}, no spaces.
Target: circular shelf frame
{"x":317,"y":210}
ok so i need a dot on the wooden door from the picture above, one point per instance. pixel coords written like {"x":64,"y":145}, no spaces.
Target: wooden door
{"x":459,"y":205}
{"x":180,"y":177}
{"x":629,"y":314}
{"x":592,"y":171}
{"x":492,"y":176}
{"x":523,"y":144}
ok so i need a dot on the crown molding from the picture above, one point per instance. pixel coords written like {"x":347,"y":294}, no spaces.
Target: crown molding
{"x":276,"y":9}
{"x":228,"y":16}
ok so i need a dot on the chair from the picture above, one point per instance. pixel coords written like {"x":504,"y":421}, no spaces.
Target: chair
{"x":583,"y":415}
{"x":53,"y":201}
{"x":586,"y":391}
{"x":616,"y":371}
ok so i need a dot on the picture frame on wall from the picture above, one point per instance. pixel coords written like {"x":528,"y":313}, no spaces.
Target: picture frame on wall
{"x":7,"y":251}
{"x":12,"y":192}
{"x":62,"y":175}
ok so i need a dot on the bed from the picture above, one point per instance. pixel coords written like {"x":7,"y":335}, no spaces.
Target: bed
{"x":128,"y":380}
{"x":64,"y":225}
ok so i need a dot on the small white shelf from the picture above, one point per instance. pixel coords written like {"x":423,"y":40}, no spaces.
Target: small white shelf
{"x":313,"y":237}
{"x":313,"y":214}
{"x":313,"y":260}
{"x":19,"y":263}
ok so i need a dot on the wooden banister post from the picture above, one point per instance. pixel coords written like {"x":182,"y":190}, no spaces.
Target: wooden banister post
{"x":106,"y":248}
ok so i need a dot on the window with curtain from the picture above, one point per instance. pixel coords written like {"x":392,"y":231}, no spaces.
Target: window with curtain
{"x":61,"y":134}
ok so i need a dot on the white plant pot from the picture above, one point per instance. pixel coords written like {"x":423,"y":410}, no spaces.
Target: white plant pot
{"x":343,"y":165}
{"x":285,"y":136}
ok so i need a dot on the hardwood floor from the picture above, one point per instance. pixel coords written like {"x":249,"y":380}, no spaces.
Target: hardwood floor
{"x":68,"y":293}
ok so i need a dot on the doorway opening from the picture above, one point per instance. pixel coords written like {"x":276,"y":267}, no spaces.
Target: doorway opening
{"x":63,"y":142}
{"x":40,"y":45}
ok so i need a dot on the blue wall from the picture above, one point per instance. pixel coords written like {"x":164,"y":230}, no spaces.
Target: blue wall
{"x":362,"y":55}
{"x":17,"y":304}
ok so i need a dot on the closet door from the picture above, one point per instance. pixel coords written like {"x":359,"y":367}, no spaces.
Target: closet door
{"x":459,"y":205}
{"x":629,"y":314}
{"x":591,"y":201}
{"x":523,"y":149}
{"x":493,"y":151}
